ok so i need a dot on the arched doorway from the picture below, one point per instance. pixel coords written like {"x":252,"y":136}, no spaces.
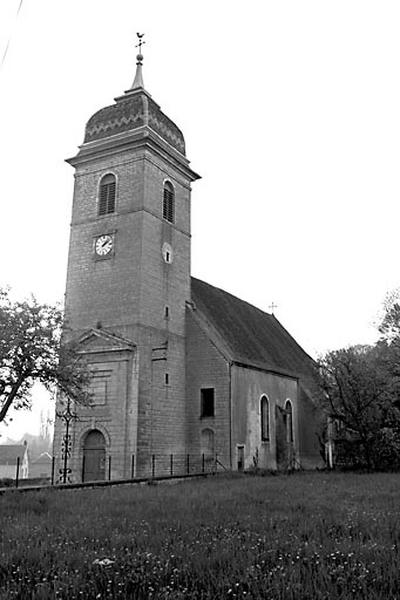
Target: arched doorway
{"x":288,"y":420}
{"x":284,"y":437}
{"x":207,"y":443}
{"x":94,"y":456}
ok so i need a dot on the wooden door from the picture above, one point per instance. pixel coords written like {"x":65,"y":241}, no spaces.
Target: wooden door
{"x":284,"y":437}
{"x":281,"y":439}
{"x":240,"y":458}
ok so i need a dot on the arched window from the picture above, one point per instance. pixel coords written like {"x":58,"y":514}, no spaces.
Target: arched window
{"x":107,"y":195}
{"x":169,"y":202}
{"x":264,"y":419}
{"x":289,"y":421}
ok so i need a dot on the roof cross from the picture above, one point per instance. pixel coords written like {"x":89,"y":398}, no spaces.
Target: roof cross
{"x":272,"y":306}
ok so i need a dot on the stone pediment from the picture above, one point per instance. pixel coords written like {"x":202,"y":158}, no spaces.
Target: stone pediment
{"x":99,"y":340}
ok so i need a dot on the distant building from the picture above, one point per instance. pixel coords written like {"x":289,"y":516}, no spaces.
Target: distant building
{"x":179,"y":366}
{"x":41,"y":466}
{"x":9,"y":454}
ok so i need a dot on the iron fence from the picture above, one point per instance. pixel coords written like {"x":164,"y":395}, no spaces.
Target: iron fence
{"x":142,"y":466}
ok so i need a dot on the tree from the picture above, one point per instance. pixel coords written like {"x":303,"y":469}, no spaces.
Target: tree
{"x":31,"y":351}
{"x":360,"y":391}
{"x":389,"y":327}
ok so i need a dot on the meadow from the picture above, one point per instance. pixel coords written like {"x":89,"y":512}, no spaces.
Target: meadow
{"x":301,"y":536}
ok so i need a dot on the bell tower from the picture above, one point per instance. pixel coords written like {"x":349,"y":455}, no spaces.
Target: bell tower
{"x":128,"y":280}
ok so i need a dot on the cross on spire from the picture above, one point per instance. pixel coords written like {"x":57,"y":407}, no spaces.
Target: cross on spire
{"x":141,"y":42}
{"x":272,"y":306}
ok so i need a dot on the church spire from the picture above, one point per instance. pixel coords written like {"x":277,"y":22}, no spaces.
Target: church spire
{"x":138,"y":81}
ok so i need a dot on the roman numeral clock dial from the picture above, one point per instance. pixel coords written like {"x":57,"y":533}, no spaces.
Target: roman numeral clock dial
{"x":104,"y":245}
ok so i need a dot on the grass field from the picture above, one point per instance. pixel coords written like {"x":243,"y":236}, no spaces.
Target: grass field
{"x":303,"y":536}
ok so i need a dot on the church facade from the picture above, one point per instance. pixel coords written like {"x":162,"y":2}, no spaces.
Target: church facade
{"x":178,"y":366}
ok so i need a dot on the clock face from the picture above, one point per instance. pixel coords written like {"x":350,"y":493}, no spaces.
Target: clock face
{"x":104,"y":245}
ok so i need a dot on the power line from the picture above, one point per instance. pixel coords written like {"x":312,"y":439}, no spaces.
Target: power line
{"x":9,"y":39}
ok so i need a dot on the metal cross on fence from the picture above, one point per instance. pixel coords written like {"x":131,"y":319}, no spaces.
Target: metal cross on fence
{"x":68,"y":416}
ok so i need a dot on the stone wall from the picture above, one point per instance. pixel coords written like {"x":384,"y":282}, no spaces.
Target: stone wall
{"x":206,"y":368}
{"x":249,"y":385}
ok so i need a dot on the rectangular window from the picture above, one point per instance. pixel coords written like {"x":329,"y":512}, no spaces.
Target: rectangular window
{"x":101,"y":387}
{"x":207,"y":408}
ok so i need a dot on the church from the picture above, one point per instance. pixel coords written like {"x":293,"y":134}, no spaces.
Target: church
{"x":179,"y":368}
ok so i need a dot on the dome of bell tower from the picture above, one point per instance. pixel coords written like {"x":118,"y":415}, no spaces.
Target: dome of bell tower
{"x":134,"y":110}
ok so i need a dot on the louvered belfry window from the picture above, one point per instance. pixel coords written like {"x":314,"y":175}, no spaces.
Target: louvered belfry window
{"x":107,"y":195}
{"x":169,"y":203}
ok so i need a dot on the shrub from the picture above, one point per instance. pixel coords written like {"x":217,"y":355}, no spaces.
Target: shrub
{"x":387,"y":449}
{"x":6,"y":482}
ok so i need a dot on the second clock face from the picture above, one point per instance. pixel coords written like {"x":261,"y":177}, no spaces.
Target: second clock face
{"x":104,"y":245}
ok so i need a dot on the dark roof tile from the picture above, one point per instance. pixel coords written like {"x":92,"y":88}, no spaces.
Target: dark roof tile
{"x":254,"y":337}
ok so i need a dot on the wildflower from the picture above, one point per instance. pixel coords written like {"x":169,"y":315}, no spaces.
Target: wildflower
{"x":104,"y":562}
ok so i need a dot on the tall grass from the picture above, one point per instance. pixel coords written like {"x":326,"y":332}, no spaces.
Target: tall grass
{"x":294,"y":537}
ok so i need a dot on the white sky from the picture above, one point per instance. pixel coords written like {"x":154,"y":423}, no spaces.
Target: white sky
{"x":290,"y":112}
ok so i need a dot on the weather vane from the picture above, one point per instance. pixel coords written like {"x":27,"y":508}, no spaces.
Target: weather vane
{"x":141,"y":42}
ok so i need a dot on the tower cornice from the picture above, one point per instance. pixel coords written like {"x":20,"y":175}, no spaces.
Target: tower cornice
{"x":142,"y":137}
